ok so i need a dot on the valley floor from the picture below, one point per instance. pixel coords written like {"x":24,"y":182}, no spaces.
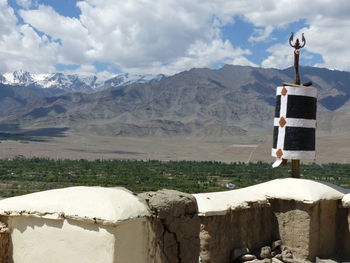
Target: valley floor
{"x":251,"y":148}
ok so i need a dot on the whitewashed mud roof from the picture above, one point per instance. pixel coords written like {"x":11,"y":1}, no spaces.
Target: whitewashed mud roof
{"x":92,"y":204}
{"x":303,"y":190}
{"x":308,"y":191}
{"x":346,"y":200}
{"x":219,"y":203}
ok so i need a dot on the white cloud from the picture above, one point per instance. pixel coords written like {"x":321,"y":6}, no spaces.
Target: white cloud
{"x":7,"y":19}
{"x":21,"y":47}
{"x":281,"y":57}
{"x":327,"y":36}
{"x":327,"y":33}
{"x":26,"y":3}
{"x":330,"y":37}
{"x":261,"y":34}
{"x":243,"y":61}
{"x":201,"y":54}
{"x":166,"y":36}
{"x":135,"y":34}
{"x":70,"y":32}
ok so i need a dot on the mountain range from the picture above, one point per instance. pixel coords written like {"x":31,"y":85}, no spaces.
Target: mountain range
{"x":232,"y":100}
{"x":73,"y":82}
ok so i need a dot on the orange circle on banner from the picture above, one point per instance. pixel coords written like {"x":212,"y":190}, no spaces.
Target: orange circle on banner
{"x":284,"y":91}
{"x":279,"y":153}
{"x":282,"y":122}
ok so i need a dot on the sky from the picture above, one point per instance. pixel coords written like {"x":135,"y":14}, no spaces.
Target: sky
{"x":106,"y":37}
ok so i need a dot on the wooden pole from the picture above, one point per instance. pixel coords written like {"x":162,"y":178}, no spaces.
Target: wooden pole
{"x":296,"y":163}
{"x":297,"y":47}
{"x":296,"y":168}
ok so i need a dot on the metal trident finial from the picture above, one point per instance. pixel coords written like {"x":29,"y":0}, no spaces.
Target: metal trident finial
{"x":297,"y":46}
{"x":297,"y":43}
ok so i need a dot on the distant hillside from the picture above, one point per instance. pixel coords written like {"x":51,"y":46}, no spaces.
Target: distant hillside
{"x":15,"y":97}
{"x":227,"y":101}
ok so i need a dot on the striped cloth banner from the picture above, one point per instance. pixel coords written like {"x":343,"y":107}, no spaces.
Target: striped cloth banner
{"x":294,"y":123}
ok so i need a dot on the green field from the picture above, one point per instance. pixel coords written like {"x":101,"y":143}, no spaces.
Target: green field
{"x":20,"y":175}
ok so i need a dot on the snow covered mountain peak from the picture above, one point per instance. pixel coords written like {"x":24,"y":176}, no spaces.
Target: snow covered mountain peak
{"x":18,"y":77}
{"x":74,"y":82}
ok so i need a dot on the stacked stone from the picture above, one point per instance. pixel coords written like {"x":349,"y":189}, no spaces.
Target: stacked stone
{"x":276,"y":253}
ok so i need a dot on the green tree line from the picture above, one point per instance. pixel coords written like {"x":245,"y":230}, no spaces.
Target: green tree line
{"x":25,"y":175}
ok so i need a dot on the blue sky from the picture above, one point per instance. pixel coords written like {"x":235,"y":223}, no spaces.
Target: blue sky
{"x":168,"y":36}
{"x":240,"y":31}
{"x":63,"y":7}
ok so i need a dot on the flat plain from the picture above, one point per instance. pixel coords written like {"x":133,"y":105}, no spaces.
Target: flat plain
{"x":247,"y":148}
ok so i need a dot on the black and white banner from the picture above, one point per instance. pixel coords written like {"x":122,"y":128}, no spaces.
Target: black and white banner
{"x":294,"y":123}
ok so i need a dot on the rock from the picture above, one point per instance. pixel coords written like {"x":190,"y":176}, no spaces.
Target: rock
{"x":288,"y":260}
{"x":319,"y":260}
{"x":298,"y":260}
{"x":247,"y":257}
{"x":276,"y":260}
{"x":265,"y":252}
{"x":287,"y":256}
{"x":253,"y":261}
{"x":279,"y":257}
{"x":238,"y":252}
{"x":276,"y":244}
{"x":284,"y":247}
{"x":3,"y":228}
{"x":265,"y":260}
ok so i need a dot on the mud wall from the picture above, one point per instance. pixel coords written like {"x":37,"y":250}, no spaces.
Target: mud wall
{"x":169,"y":235}
{"x":344,"y":233}
{"x":175,"y":226}
{"x":308,"y":229}
{"x":251,"y":227}
{"x":346,"y":248}
{"x":4,"y":241}
{"x":44,"y":240}
{"x":175,"y":231}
